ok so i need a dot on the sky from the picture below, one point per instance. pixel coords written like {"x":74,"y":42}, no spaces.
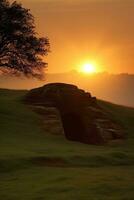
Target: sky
{"x":84,"y":31}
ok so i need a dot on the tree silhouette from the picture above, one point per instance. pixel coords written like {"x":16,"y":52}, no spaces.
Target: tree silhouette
{"x":21,"y":50}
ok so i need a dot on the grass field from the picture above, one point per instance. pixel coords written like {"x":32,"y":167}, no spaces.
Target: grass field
{"x":36,"y":165}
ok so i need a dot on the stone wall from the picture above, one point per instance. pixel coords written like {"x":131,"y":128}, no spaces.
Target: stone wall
{"x":82,"y":118}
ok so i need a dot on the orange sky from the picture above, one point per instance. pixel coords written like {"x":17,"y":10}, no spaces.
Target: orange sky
{"x":87,"y":30}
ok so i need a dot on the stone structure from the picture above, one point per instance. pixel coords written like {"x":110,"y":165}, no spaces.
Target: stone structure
{"x":82,"y":118}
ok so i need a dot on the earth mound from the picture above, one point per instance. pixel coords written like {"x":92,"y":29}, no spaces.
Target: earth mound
{"x":82,"y":118}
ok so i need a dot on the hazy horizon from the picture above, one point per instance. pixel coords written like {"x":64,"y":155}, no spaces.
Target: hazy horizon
{"x":116,"y":88}
{"x":93,"y":36}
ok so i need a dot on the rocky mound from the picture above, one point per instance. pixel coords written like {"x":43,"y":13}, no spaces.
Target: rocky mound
{"x":82,"y":118}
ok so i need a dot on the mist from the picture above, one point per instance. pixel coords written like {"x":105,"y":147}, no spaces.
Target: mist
{"x":116,"y":88}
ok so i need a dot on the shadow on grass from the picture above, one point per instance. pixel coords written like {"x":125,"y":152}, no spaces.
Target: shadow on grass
{"x":109,"y":159}
{"x":112,"y":159}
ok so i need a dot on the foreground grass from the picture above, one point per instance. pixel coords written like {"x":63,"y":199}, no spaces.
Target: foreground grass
{"x":35,"y":165}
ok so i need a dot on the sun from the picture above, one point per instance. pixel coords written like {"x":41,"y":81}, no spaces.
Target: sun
{"x":88,"y":68}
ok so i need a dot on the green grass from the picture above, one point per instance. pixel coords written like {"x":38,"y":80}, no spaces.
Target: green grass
{"x":36,"y":165}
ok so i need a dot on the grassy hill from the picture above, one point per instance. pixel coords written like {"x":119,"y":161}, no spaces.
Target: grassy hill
{"x":36,"y":165}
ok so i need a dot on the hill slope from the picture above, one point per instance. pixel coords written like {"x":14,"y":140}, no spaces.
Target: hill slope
{"x":117,"y":88}
{"x":38,"y":165}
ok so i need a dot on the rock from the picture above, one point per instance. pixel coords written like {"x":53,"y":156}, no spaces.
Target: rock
{"x":51,"y":119}
{"x":82,"y":118}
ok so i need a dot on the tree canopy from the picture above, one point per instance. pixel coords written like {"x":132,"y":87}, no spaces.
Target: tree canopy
{"x":21,"y":50}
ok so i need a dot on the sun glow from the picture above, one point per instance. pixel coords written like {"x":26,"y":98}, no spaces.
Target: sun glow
{"x":88,"y":68}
